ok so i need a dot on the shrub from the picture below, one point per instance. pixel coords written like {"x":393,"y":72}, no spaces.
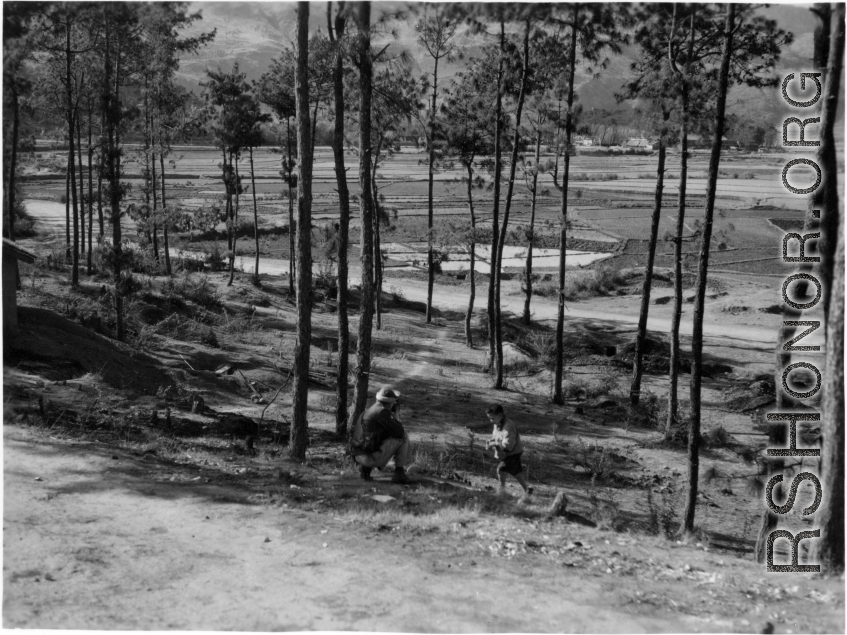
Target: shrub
{"x":326,"y":281}
{"x":438,"y":257}
{"x":548,"y":289}
{"x":239,"y":326}
{"x":197,"y":289}
{"x":138,"y":260}
{"x":588,"y":283}
{"x":575,"y":389}
{"x":651,"y":411}
{"x":180,"y":327}
{"x":244,"y":226}
{"x":207,"y":218}
{"x":58,"y":255}
{"x":102,"y":260}
{"x":595,"y":459}
{"x":209,"y":338}
{"x":215,"y":259}
{"x":581,"y":388}
{"x":95,"y":315}
{"x":542,"y":345}
{"x":24,"y":223}
{"x":663,"y":519}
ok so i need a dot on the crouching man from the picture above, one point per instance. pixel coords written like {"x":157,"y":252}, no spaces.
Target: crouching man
{"x":378,"y":436}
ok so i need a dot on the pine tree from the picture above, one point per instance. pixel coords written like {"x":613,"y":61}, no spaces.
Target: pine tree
{"x":469,"y":136}
{"x":299,"y":409}
{"x":435,"y":34}
{"x":592,"y":28}
{"x":336,"y":32}
{"x":363,"y":61}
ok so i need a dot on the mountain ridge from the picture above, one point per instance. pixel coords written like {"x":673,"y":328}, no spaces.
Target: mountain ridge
{"x":253,"y":33}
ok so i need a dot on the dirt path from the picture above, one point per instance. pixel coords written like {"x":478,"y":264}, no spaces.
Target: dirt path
{"x":99,"y":539}
{"x":546,"y":311}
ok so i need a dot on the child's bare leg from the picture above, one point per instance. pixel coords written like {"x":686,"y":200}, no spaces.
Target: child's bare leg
{"x":522,"y":480}
{"x":502,"y":476}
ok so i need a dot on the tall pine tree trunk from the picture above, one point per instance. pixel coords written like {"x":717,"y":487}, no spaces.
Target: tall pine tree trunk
{"x":676,"y":316}
{"x":13,"y":159}
{"x":100,"y":220}
{"x":495,"y":209}
{"x":71,"y":117}
{"x":90,"y":194}
{"x":822,"y":199}
{"x":237,"y":189}
{"x":237,"y":183}
{"x":471,"y":273}
{"x":429,"y":253}
{"x":227,"y":179}
{"x":111,"y":108}
{"x":702,"y":273}
{"x":558,"y":396}
{"x":363,"y":353}
{"x":74,"y":208}
{"x":81,"y":184}
{"x":343,"y":227}
{"x":292,"y":272}
{"x":302,"y":348}
{"x":641,"y":337}
{"x":314,"y":124}
{"x":155,"y":206}
{"x":165,"y":214}
{"x":528,"y":299}
{"x":377,"y":258}
{"x":498,"y":269}
{"x":68,"y":211}
{"x":255,"y":218}
{"x":829,"y":549}
{"x":101,"y":167}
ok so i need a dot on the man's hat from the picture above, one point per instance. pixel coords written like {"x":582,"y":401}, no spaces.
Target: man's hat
{"x":387,"y":395}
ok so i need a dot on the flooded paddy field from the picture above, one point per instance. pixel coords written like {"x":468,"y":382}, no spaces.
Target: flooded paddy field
{"x":609,"y":207}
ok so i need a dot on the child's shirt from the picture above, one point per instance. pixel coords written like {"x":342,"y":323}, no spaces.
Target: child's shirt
{"x":507,"y":438}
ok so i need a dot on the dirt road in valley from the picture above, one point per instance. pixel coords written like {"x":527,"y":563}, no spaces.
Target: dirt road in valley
{"x":453,"y":299}
{"x":95,"y":538}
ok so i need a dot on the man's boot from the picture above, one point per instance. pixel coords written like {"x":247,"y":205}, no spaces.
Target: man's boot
{"x":365,"y":473}
{"x":399,"y":476}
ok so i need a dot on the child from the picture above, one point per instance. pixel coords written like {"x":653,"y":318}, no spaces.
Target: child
{"x":508,"y":448}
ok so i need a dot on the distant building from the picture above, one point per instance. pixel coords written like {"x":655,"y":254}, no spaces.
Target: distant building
{"x":696,"y":141}
{"x":408,"y":141}
{"x":638,"y":143}
{"x":580,"y":140}
{"x":12,"y":253}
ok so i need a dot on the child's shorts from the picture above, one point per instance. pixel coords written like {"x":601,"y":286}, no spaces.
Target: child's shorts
{"x":511,"y":465}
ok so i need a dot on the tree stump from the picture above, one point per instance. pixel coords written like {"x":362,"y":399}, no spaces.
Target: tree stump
{"x":559,"y":506}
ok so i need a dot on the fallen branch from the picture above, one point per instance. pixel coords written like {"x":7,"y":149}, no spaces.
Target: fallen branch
{"x":186,"y":362}
{"x":279,"y":390}
{"x":249,"y":385}
{"x":321,"y":377}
